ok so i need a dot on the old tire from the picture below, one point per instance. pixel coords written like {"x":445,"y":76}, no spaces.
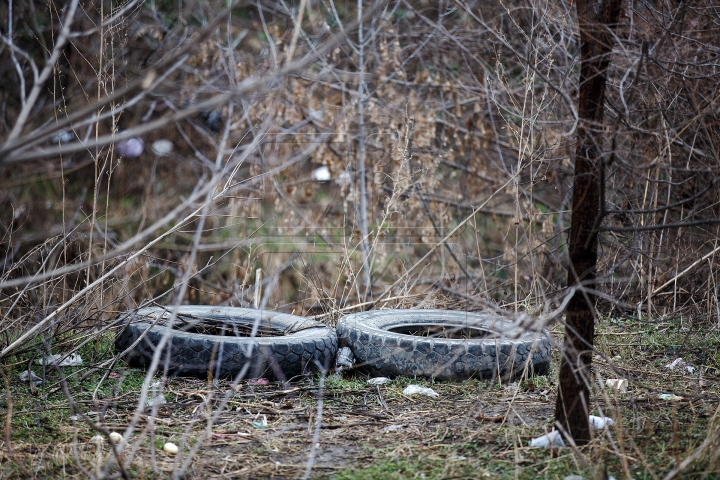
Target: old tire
{"x":300,"y":345}
{"x":500,"y":349}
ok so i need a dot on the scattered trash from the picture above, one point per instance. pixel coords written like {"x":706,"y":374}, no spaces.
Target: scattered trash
{"x":170,"y":448}
{"x":574,"y":477}
{"x":74,"y":418}
{"x":378,"y":381}
{"x":258,"y":381}
{"x":680,"y":364}
{"x":30,"y":377}
{"x":598,"y":423}
{"x":72,"y":360}
{"x":344,"y":179}
{"x":212,"y":120}
{"x":321,"y":174}
{"x":457,"y":458}
{"x":162,"y":148}
{"x":344,"y":359}
{"x":130,"y":148}
{"x":114,"y":375}
{"x":552,"y":439}
{"x":65,"y":136}
{"x":616,"y":358}
{"x":115,"y":437}
{"x":156,"y":399}
{"x":261,"y":424}
{"x":617,"y":384}
{"x":416,"y":389}
{"x":97,"y":440}
{"x":393,"y":428}
{"x":670,"y":397}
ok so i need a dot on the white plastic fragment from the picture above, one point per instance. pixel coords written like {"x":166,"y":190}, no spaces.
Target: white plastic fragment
{"x":130,"y":148}
{"x":417,"y":389}
{"x":156,"y":399}
{"x":378,"y":381}
{"x":97,"y":440}
{"x":115,"y":437}
{"x":170,"y":448}
{"x":393,"y":428}
{"x":63,"y":137}
{"x":60,"y":360}
{"x":671,"y":397}
{"x":321,"y":174}
{"x":680,"y":364}
{"x":552,"y":439}
{"x":618,"y":384}
{"x":344,"y":179}
{"x":162,"y":148}
{"x":30,"y":377}
{"x":598,"y":423}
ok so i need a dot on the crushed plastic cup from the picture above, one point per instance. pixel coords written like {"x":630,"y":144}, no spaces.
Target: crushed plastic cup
{"x":598,"y":423}
{"x":418,"y":390}
{"x":552,"y":439}
{"x":618,"y":384}
{"x":378,"y":381}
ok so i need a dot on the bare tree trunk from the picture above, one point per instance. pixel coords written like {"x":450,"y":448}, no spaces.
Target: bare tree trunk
{"x":595,"y":17}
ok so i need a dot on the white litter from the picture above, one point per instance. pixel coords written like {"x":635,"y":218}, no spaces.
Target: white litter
{"x":115,"y":437}
{"x":97,"y":440}
{"x":378,"y":381}
{"x":30,"y":377}
{"x":156,"y":399}
{"x":680,"y":364}
{"x":393,"y":428}
{"x":670,"y":397}
{"x":417,"y":389}
{"x":63,"y":137}
{"x":60,"y":360}
{"x":344,"y":179}
{"x":574,"y":477}
{"x":598,"y":423}
{"x":617,"y":384}
{"x":552,"y":439}
{"x":321,"y":174}
{"x":162,"y":148}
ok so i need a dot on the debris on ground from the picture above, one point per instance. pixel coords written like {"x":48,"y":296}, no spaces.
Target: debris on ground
{"x":598,"y":423}
{"x":417,"y":389}
{"x":255,"y":382}
{"x":115,"y":437}
{"x":378,"y":380}
{"x":552,"y":439}
{"x":344,"y":359}
{"x":60,"y":360}
{"x":321,"y":174}
{"x":393,"y":428}
{"x":671,"y":397}
{"x":64,"y":136}
{"x":680,"y":364}
{"x":29,"y":376}
{"x":618,"y":384}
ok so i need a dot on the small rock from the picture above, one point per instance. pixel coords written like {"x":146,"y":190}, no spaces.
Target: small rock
{"x":97,"y":440}
{"x":130,"y":148}
{"x":115,"y":437}
{"x":170,"y":448}
{"x":162,"y":148}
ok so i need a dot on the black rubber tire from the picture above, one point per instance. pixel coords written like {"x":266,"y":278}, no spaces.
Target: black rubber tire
{"x":503,"y":353}
{"x":304,"y":345}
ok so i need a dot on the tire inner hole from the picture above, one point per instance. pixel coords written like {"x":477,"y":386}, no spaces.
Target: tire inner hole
{"x":453,"y":332}
{"x":241,"y":327}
